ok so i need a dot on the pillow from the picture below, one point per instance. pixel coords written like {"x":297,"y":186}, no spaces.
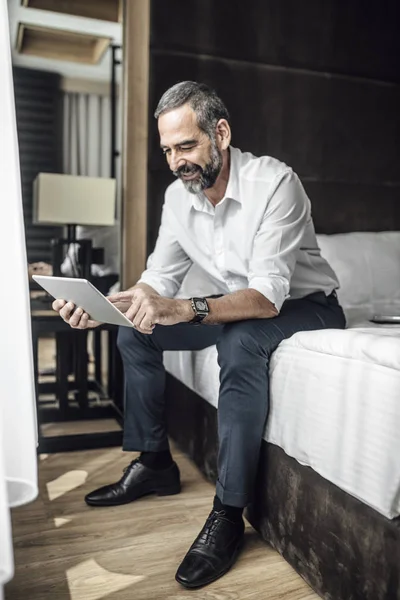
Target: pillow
{"x":368,"y":268}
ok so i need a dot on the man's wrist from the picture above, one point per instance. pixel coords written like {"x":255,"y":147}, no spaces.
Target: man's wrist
{"x":185,"y":310}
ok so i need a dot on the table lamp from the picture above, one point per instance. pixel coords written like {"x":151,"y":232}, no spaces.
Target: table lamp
{"x":73,"y":200}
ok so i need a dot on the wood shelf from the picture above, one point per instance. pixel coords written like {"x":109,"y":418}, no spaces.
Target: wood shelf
{"x":104,"y":10}
{"x":59,"y":44}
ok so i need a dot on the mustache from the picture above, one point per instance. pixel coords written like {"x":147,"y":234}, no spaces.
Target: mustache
{"x":187,"y":170}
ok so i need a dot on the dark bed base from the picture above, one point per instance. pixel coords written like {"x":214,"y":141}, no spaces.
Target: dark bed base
{"x":341,"y":547}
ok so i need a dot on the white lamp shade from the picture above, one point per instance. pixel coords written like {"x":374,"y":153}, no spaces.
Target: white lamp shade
{"x":73,"y":200}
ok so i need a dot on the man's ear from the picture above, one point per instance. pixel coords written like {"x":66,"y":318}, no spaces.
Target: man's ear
{"x":223,"y":133}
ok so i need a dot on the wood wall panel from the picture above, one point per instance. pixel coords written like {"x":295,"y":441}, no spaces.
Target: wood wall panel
{"x":135,"y":130}
{"x":309,"y":83}
{"x":355,"y":38}
{"x":343,"y":207}
{"x":159,"y":180}
{"x":327,"y":128}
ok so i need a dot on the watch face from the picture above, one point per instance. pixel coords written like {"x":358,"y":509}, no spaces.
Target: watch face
{"x":200,"y":305}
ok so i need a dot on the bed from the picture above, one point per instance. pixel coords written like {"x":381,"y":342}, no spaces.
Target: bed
{"x":328,"y":487}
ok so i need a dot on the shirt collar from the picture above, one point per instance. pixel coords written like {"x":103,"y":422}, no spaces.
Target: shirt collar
{"x":199,"y":201}
{"x":232,"y":189}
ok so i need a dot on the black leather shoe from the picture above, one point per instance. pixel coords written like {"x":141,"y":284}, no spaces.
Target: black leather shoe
{"x":137,"y":481}
{"x":213,"y":552}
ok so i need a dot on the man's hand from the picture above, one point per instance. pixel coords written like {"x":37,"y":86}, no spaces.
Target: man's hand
{"x":77,"y":318}
{"x":39,"y":268}
{"x":146,"y":309}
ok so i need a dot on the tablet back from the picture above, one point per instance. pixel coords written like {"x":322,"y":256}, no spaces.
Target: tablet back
{"x":82,"y":293}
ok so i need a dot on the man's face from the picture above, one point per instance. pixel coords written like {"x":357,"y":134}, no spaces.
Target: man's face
{"x":191,"y":155}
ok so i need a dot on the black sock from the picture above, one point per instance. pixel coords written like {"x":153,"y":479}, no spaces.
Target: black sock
{"x":232,"y":512}
{"x":156,"y":460}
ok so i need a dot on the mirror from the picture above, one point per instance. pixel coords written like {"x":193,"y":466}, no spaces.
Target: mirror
{"x":67,"y":82}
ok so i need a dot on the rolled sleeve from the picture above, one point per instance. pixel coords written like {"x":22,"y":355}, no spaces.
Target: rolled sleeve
{"x":168,"y":264}
{"x":278,"y":239}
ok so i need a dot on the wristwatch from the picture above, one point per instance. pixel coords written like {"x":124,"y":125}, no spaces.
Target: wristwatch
{"x":200,"y":309}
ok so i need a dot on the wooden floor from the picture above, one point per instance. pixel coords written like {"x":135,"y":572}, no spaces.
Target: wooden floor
{"x":66,"y":550}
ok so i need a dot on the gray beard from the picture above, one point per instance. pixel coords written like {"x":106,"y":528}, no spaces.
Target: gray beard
{"x":208,"y":176}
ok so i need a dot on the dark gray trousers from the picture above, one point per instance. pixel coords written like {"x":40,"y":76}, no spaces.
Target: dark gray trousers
{"x":244,"y":350}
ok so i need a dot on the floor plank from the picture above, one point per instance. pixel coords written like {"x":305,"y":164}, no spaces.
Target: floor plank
{"x":66,"y":550}
{"x":79,"y":427}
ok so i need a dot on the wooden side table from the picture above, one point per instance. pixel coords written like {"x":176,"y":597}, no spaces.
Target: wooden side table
{"x":75,"y":341}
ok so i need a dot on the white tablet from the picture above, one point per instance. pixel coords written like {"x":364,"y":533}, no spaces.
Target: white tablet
{"x":82,"y":293}
{"x":386,"y":319}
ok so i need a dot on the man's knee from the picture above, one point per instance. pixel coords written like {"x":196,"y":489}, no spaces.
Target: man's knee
{"x":235,"y":342}
{"x":126,"y":339}
{"x":250,"y":338}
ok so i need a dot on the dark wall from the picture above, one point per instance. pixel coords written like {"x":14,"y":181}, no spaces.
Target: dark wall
{"x":315,"y":84}
{"x":39,"y":127}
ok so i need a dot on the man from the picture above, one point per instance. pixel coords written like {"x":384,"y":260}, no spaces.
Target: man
{"x":246,"y":222}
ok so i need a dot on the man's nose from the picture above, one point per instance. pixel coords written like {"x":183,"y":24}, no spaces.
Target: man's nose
{"x":176,"y":162}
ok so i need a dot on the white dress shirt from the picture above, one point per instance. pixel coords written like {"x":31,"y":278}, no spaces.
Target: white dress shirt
{"x":259,"y":236}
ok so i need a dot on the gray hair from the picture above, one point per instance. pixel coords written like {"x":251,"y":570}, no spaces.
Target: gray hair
{"x":208,"y":107}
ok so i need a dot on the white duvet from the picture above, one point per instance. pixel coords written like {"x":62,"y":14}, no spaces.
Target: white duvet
{"x":335,"y":405}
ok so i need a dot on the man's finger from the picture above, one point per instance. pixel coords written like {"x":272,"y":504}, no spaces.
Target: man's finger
{"x":138,"y":318}
{"x":120,"y":297}
{"x":58,"y":304}
{"x":145,"y":330}
{"x":67,"y":310}
{"x":123,"y":306}
{"x":132,"y":310}
{"x":75,"y":319}
{"x":84,"y":322}
{"x":92,"y":324}
{"x":143,"y":322}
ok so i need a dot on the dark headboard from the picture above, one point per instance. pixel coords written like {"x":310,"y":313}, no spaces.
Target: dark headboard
{"x":314,"y":84}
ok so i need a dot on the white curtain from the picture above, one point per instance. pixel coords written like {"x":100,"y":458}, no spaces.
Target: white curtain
{"x":87,"y":134}
{"x":87,"y":151}
{"x":18,"y":428}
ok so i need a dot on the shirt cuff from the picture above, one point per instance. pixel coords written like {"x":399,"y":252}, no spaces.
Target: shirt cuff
{"x":272,"y":290}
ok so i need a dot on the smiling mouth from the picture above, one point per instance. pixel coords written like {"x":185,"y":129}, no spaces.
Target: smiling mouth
{"x":189,"y":176}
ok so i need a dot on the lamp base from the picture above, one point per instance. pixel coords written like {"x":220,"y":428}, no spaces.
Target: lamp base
{"x":84,"y":257}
